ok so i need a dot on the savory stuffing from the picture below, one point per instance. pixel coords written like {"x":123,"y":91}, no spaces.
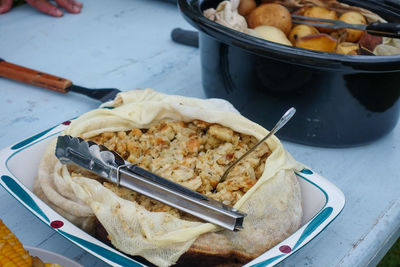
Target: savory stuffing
{"x":193,"y":154}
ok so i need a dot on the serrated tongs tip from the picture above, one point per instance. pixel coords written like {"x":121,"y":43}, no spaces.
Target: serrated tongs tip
{"x":86,"y":154}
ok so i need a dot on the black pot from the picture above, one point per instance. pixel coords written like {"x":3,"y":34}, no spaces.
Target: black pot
{"x":341,"y":100}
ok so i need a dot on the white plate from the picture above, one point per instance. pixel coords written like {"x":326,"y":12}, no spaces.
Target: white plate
{"x":51,"y":257}
{"x":322,"y":202}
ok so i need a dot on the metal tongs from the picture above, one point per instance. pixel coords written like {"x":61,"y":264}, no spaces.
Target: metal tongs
{"x":111,"y":166}
{"x":375,"y":28}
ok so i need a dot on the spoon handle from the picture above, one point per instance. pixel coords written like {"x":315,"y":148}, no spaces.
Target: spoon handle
{"x":283,"y":120}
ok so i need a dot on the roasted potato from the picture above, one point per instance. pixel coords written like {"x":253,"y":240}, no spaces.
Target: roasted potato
{"x":369,"y":41}
{"x":272,"y":15}
{"x":319,"y":42}
{"x":272,"y":34}
{"x":347,"y":48}
{"x":300,"y":31}
{"x":246,"y":6}
{"x":323,"y":13}
{"x":353,"y":17}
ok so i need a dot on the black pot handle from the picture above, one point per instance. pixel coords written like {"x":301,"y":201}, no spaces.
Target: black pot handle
{"x":186,"y":37}
{"x":384,"y":29}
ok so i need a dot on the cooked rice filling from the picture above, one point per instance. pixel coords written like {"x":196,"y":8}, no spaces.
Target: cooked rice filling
{"x":193,"y":154}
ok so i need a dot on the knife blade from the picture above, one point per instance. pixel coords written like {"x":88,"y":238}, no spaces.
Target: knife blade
{"x":112,"y":167}
{"x":37,"y":78}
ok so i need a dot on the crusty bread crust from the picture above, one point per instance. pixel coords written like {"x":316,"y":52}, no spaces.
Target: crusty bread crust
{"x":213,"y":249}
{"x":198,"y":258}
{"x":199,"y":254}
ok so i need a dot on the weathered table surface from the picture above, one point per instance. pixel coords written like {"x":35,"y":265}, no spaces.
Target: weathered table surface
{"x":126,"y":44}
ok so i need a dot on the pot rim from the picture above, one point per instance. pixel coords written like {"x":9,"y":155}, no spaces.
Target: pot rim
{"x":194,"y":15}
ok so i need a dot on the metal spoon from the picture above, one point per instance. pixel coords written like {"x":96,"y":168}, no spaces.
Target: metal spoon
{"x":284,"y":119}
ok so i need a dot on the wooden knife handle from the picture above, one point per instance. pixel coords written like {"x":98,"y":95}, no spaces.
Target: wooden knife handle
{"x":34,"y":77}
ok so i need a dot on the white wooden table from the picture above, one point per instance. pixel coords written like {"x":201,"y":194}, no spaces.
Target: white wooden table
{"x":126,"y":44}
